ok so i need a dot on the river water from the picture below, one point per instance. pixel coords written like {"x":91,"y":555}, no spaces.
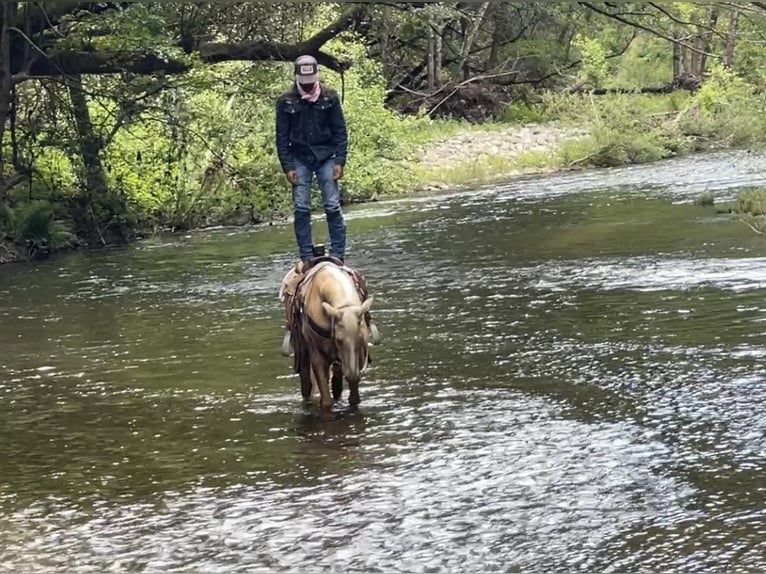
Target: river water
{"x":572,"y":379}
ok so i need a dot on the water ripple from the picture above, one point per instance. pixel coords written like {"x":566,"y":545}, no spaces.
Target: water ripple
{"x":572,"y":379}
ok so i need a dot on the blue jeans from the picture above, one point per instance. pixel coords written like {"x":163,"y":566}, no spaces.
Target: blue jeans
{"x":331,"y":202}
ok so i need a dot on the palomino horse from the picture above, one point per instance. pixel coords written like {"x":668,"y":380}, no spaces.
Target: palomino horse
{"x":328,"y":325}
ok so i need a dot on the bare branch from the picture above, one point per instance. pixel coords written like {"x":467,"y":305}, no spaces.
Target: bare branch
{"x":657,"y":33}
{"x":126,"y":112}
{"x":11,"y":181}
{"x":677,"y":20}
{"x":340,"y":25}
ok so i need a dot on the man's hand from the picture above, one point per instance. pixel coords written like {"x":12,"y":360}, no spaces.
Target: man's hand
{"x":292,"y":176}
{"x":337,"y":172}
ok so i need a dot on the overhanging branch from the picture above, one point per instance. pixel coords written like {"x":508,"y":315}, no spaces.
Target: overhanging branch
{"x":83,"y":62}
{"x":343,"y":23}
{"x":213,"y":53}
{"x":260,"y":51}
{"x":640,"y":26}
{"x":7,"y":183}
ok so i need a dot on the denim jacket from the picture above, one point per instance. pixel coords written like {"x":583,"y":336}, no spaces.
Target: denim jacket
{"x":310,"y":132}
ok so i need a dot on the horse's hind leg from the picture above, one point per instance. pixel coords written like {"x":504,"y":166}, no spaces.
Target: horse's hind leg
{"x":337,"y":381}
{"x":304,"y":372}
{"x":321,"y":372}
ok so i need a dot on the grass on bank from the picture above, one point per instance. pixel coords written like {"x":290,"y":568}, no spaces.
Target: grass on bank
{"x":623,"y":129}
{"x":749,"y":207}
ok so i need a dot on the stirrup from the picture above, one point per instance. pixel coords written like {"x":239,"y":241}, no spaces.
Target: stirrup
{"x":286,"y":349}
{"x":375,"y":334}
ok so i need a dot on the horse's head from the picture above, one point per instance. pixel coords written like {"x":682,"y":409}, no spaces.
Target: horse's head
{"x":352,"y":337}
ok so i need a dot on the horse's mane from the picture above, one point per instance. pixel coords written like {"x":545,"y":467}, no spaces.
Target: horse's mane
{"x":344,"y":286}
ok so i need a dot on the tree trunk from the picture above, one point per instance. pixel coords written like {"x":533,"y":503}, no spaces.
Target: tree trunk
{"x":494,"y":52}
{"x":384,"y":43}
{"x":8,"y":12}
{"x":694,"y":62}
{"x":439,"y":54}
{"x":731,"y":39}
{"x":676,"y":60}
{"x":95,"y":182}
{"x":431,"y":58}
{"x":472,"y":30}
{"x":685,"y":61}
{"x":705,"y":41}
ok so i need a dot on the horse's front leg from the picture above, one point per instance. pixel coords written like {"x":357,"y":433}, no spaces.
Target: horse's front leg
{"x":337,"y":381}
{"x":321,"y":372}
{"x":353,"y":394}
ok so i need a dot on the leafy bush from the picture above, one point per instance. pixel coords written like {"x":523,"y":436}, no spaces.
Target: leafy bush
{"x":523,"y":113}
{"x":33,"y":224}
{"x":622,"y":128}
{"x":727,"y":109}
{"x":752,"y":202}
{"x":594,"y":67}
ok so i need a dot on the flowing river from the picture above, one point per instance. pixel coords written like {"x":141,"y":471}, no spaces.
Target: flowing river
{"x":573,"y":377}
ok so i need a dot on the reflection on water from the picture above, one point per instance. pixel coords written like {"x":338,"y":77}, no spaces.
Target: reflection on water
{"x":572,"y":378}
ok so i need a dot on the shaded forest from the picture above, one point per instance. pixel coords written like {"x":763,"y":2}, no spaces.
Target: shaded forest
{"x":120,"y":118}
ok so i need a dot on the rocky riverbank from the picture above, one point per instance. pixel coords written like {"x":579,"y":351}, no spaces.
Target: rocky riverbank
{"x":10,"y":252}
{"x":476,"y":156}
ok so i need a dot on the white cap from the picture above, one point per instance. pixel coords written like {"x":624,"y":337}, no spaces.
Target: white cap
{"x":306,"y":70}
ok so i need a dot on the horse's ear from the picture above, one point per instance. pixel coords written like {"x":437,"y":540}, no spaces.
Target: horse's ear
{"x":330,"y":310}
{"x":367,"y":304}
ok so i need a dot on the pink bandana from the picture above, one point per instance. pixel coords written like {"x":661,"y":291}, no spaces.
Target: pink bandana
{"x":311,"y":96}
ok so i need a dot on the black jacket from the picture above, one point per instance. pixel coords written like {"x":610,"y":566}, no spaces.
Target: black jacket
{"x":310,"y":132}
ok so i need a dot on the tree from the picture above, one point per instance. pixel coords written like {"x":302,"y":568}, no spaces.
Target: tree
{"x":70,"y":40}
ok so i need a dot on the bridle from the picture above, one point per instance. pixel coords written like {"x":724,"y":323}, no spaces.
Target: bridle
{"x":328,"y":334}
{"x":319,"y":331}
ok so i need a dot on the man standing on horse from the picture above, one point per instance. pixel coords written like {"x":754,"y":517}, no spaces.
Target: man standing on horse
{"x":312,"y":140}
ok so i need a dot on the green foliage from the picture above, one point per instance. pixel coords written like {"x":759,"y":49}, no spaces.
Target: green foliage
{"x":523,"y":113}
{"x":750,"y":208}
{"x":723,"y":89}
{"x":378,"y":137}
{"x":608,"y":146}
{"x":482,"y":169}
{"x":33,"y":224}
{"x":749,"y":61}
{"x":706,"y":199}
{"x":752,"y":202}
{"x":622,"y":128}
{"x":645,"y":63}
{"x":578,"y":109}
{"x":138,"y":29}
{"x":207,"y":156}
{"x":594,"y":67}
{"x":727,"y":109}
